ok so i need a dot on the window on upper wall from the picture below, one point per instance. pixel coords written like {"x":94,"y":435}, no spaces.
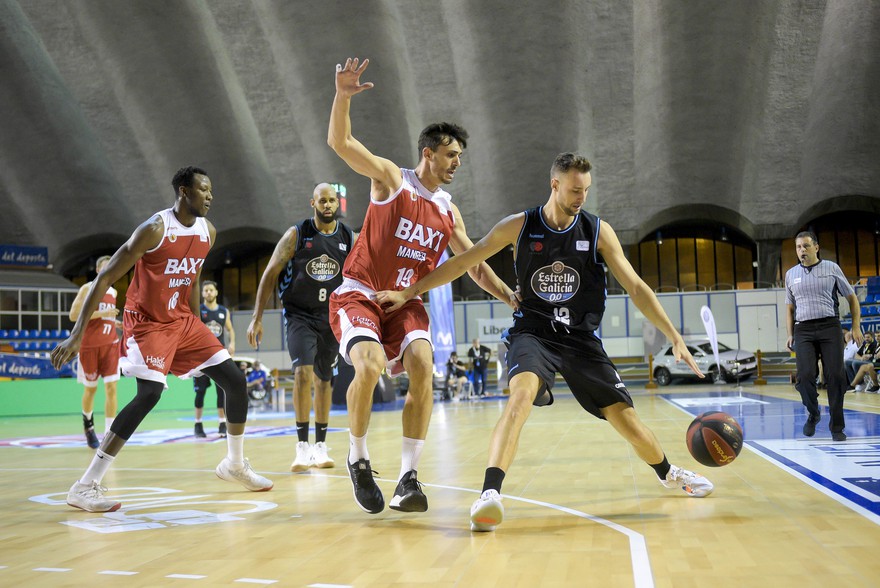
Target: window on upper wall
{"x":695,"y":256}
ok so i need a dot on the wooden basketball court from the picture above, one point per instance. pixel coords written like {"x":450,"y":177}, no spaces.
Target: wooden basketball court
{"x":581,"y":508}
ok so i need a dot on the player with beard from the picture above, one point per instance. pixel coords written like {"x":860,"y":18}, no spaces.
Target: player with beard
{"x":307,"y":266}
{"x":162,"y":334}
{"x":219,"y":321}
{"x":560,"y":254}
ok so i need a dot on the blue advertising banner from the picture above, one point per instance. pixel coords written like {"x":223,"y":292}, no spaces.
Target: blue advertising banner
{"x":442,"y":316}
{"x":19,"y":366}
{"x":26,"y":256}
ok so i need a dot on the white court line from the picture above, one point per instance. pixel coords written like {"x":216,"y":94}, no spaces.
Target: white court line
{"x":329,"y":586}
{"x":185,"y":576}
{"x":256,"y":581}
{"x":638,"y":549}
{"x":51,"y":569}
{"x":642,"y":575}
{"x":117,"y":573}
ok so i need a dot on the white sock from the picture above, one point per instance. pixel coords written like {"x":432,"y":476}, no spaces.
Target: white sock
{"x":235,"y":446}
{"x":107,"y":422}
{"x":223,"y":420}
{"x":357,"y":448}
{"x":96,"y":470}
{"x":88,"y":415}
{"x":409,"y":458}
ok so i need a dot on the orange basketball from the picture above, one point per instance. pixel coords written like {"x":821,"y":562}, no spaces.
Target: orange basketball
{"x":714,"y":438}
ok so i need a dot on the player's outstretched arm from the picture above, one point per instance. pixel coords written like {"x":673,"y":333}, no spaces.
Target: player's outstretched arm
{"x":642,"y":295}
{"x":285,"y":249}
{"x":501,"y":235}
{"x":385,"y":175}
{"x":147,"y":236}
{"x":481,"y":273}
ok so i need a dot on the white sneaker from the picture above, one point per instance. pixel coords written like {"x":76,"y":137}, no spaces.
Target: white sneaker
{"x":487,"y":512}
{"x":303,"y":457}
{"x":692,"y":484}
{"x":320,"y":459}
{"x":90,"y":498}
{"x":244,"y":475}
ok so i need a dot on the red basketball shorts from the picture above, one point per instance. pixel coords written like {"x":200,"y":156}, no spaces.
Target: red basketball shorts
{"x":98,"y":362}
{"x":151,"y":350}
{"x":352,"y":315}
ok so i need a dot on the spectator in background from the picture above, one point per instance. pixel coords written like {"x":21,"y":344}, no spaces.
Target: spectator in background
{"x":863,"y":356}
{"x":849,"y":352}
{"x":98,"y":356}
{"x":456,"y":376}
{"x":479,"y":356}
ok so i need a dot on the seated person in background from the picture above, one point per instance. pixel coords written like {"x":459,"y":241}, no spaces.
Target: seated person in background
{"x":863,"y":356}
{"x":456,"y":375}
{"x":849,"y":352}
{"x":259,"y":381}
{"x":869,"y":371}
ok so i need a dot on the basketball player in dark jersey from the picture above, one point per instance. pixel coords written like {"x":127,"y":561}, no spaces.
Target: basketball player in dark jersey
{"x":217,"y":318}
{"x":560,"y":253}
{"x":307,"y":266}
{"x":161,"y":333}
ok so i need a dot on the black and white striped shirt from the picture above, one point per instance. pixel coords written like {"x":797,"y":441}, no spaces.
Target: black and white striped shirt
{"x":814,"y":290}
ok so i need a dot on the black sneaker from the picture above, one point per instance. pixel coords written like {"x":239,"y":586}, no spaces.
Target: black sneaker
{"x":199,"y":430}
{"x":222,"y":429}
{"x":408,"y":496}
{"x":810,"y":425}
{"x":366,"y":492}
{"x":838,"y":436}
{"x":92,"y":438}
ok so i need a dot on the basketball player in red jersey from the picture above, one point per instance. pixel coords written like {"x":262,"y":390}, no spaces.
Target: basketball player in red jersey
{"x":161,"y":333}
{"x":409,"y":223}
{"x":98,"y":356}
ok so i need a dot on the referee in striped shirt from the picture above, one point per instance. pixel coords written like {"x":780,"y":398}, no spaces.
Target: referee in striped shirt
{"x":811,"y":292}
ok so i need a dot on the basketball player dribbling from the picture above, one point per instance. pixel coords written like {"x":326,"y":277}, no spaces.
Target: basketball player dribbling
{"x":409,"y":222}
{"x":560,"y":253}
{"x":162,"y":334}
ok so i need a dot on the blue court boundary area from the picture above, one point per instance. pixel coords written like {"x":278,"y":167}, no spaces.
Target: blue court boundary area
{"x":821,"y":480}
{"x":770,"y":418}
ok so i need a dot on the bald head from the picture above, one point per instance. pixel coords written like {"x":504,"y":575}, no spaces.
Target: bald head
{"x":325,"y":201}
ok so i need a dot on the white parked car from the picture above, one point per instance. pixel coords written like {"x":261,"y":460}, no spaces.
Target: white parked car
{"x":736,"y":364}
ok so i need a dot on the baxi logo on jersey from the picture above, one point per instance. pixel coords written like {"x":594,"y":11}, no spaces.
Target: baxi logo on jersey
{"x":322,"y":268}
{"x":413,"y":232}
{"x":555,"y":282}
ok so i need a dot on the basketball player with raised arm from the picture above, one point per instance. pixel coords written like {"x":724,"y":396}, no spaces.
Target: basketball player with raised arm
{"x":162,"y":333}
{"x":307,"y":266}
{"x":560,"y":252}
{"x":409,"y":222}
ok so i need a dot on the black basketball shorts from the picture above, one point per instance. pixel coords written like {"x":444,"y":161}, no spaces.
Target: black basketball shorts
{"x":311,"y":343}
{"x":587,"y":370}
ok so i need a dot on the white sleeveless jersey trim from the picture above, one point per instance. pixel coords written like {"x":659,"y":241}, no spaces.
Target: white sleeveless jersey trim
{"x":170,"y":222}
{"x":441,"y":198}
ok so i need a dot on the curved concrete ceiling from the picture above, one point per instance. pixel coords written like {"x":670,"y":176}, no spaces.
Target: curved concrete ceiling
{"x":765,"y":109}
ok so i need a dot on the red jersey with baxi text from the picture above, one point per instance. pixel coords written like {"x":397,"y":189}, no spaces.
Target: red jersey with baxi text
{"x":402,"y":238}
{"x":165,"y":276}
{"x":102,"y":331}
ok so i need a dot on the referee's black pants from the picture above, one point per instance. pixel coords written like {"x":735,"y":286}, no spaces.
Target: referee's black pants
{"x":821,"y":338}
